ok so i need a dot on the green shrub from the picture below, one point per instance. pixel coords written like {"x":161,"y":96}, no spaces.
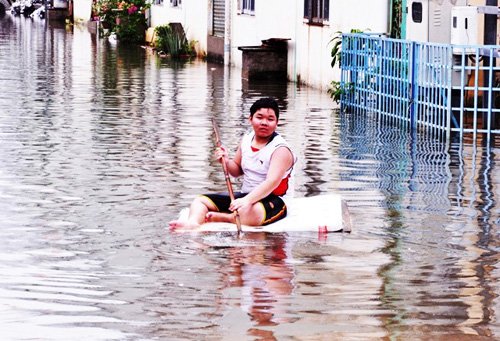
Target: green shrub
{"x":337,"y":46}
{"x":171,"y":40}
{"x":337,"y":89}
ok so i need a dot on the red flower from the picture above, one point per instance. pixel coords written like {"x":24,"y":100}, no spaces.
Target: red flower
{"x":132,"y":9}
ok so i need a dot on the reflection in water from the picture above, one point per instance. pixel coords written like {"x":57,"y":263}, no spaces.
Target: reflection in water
{"x":279,"y":286}
{"x":428,"y":190}
{"x":265,"y":279}
{"x":101,"y":145}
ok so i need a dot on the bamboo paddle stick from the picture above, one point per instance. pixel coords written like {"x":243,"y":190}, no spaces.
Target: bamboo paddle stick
{"x":226,"y":173}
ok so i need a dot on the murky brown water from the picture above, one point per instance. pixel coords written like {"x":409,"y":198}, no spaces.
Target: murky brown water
{"x":100,"y":146}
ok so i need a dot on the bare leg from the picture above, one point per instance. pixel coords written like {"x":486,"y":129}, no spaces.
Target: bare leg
{"x":254,"y":215}
{"x":197,"y":212}
{"x":251,"y":216}
{"x":202,"y":209}
{"x":218,"y":217}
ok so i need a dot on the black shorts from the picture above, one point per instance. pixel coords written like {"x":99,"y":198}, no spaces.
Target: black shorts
{"x":274,"y":206}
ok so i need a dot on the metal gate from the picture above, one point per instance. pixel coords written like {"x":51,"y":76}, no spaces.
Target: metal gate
{"x":433,"y":88}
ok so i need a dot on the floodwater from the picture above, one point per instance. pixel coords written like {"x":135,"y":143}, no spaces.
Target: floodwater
{"x":101,"y":145}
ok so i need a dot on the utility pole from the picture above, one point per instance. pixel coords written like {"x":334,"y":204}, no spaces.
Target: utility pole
{"x":489,"y":38}
{"x":490,"y":25}
{"x":227,"y":32}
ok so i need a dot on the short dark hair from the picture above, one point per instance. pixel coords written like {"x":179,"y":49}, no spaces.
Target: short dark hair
{"x":267,"y":103}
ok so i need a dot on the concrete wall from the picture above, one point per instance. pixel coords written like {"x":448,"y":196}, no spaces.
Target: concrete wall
{"x":271,"y":20}
{"x":193,"y":15}
{"x":309,"y":46}
{"x":82,"y":10}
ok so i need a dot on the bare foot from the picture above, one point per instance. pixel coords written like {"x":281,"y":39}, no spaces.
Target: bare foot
{"x":217,"y":217}
{"x":181,"y":224}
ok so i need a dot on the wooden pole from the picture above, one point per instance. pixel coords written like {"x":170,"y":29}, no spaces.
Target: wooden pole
{"x":226,"y":173}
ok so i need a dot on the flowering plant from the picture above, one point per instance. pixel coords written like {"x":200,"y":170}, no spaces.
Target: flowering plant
{"x":131,"y":8}
{"x":103,"y":9}
{"x":126,"y":18}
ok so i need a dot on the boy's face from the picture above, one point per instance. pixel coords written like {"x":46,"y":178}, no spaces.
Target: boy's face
{"x":264,"y":122}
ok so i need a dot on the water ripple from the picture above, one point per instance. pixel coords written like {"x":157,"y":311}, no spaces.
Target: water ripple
{"x":100,"y":149}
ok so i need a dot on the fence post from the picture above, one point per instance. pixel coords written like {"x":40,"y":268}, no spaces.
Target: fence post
{"x":413,"y":85}
{"x":449,"y":95}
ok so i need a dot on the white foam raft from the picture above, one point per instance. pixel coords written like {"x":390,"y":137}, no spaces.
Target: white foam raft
{"x":321,"y":213}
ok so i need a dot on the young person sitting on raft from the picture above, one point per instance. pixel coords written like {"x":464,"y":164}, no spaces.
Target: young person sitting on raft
{"x":265,"y":161}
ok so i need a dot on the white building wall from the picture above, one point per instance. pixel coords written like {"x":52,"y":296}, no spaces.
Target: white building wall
{"x":193,"y":15}
{"x":309,"y":46}
{"x":313,"y":43}
{"x":82,"y":10}
{"x":313,"y":56}
{"x":272,"y":19}
{"x":369,"y":15}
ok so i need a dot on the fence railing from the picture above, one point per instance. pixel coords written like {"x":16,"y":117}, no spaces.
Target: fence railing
{"x":433,"y":88}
